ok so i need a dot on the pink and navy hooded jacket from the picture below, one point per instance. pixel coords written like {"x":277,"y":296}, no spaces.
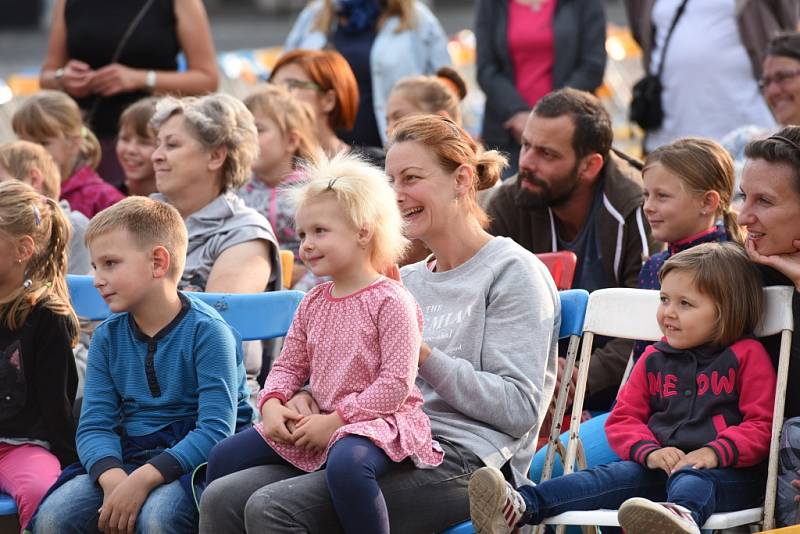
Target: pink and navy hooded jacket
{"x":707,"y":396}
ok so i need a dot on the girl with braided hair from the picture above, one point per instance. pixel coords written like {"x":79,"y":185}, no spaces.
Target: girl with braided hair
{"x":38,"y":328}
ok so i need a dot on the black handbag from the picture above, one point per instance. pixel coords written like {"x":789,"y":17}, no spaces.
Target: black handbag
{"x":646,"y":109}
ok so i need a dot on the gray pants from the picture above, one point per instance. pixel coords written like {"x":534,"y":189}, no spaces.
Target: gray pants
{"x":282,"y":499}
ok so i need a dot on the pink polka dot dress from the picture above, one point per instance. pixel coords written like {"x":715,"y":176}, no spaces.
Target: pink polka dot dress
{"x":360,"y":354}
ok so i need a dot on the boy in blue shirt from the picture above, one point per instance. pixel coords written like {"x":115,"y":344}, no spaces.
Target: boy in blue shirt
{"x":164,"y":383}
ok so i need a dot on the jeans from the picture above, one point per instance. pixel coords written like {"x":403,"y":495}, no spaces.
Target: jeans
{"x":701,"y":491}
{"x":353,"y":467}
{"x":72,"y":508}
{"x":282,"y":499}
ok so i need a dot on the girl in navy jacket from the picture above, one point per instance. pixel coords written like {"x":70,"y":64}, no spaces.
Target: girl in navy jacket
{"x":692,"y":425}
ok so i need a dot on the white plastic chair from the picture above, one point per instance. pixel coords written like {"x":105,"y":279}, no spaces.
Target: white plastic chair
{"x":631,"y":314}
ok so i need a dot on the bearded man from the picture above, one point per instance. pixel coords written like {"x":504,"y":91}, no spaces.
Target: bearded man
{"x":574,"y":192}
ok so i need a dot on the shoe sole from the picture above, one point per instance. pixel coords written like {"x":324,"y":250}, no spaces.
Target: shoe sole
{"x":640,"y":516}
{"x":487,"y":495}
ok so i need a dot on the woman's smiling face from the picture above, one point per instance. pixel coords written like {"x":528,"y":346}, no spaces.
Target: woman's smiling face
{"x":426,"y":193}
{"x":771,"y":209}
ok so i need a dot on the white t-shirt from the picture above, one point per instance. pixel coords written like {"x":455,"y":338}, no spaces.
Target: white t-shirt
{"x":708,"y":83}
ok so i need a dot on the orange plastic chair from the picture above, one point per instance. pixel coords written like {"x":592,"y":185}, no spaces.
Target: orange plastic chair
{"x":287,"y":263}
{"x":561,"y":265}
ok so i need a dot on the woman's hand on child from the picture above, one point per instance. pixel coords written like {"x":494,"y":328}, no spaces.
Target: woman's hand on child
{"x":665,"y":459}
{"x":304,"y":404}
{"x":314,"y":431}
{"x":124,"y":498}
{"x":788,"y":264}
{"x":702,"y":458}
{"x":275,"y":418}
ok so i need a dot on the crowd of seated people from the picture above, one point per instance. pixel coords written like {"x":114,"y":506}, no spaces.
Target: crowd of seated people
{"x":411,"y":398}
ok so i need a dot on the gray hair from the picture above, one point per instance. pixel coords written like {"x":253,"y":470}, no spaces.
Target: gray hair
{"x":217,"y":120}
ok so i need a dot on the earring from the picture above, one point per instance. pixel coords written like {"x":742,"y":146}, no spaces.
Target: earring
{"x":27,"y":284}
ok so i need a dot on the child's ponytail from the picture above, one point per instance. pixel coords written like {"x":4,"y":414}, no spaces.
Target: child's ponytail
{"x":90,"y":148}
{"x":732,"y":228}
{"x":23,"y":212}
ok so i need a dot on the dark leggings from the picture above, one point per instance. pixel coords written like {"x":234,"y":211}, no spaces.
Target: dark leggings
{"x":353,"y":467}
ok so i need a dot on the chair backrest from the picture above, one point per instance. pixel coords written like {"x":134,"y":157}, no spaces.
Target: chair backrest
{"x":254,"y":316}
{"x":561,"y":265}
{"x":287,"y":264}
{"x":573,"y":310}
{"x":86,"y":299}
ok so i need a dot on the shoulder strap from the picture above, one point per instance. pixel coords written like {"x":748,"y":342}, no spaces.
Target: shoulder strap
{"x":117,"y":52}
{"x":675,"y":19}
{"x":135,"y":22}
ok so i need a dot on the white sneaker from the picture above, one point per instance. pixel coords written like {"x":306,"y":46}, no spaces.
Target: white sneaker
{"x":643,"y":516}
{"x":495,"y":506}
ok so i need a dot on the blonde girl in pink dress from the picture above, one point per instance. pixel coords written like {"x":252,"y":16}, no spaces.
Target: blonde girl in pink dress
{"x":355,"y":342}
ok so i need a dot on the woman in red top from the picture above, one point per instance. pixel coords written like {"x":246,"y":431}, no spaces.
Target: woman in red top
{"x":527,"y":48}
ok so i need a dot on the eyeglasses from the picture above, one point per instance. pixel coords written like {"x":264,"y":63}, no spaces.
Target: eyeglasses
{"x":779,"y":77}
{"x":291,"y":84}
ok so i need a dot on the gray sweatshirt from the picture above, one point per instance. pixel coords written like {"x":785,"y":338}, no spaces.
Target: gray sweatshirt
{"x":492,"y":323}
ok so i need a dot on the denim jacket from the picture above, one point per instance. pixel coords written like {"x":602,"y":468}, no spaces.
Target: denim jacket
{"x":394,"y":55}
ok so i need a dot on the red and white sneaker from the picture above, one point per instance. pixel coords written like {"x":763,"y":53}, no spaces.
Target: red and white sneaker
{"x":495,"y":506}
{"x":643,"y":516}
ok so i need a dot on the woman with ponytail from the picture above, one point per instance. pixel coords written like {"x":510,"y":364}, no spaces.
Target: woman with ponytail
{"x":486,"y":364}
{"x":53,"y":120}
{"x":37,"y":331}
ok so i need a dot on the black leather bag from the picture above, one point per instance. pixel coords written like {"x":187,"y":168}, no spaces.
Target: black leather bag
{"x":646,"y":109}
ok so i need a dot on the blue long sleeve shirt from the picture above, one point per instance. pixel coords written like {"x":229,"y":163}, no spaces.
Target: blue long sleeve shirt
{"x":138,"y":385}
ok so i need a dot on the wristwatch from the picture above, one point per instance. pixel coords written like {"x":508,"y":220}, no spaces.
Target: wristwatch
{"x":150,"y":80}
{"x":59,"y":74}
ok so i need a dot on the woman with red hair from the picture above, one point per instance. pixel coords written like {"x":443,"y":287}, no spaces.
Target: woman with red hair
{"x":322,"y":79}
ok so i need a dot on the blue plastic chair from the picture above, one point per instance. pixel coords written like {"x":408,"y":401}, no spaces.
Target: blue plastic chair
{"x":255,"y":316}
{"x":573,"y":310}
{"x":86,"y":299}
{"x":7,"y":505}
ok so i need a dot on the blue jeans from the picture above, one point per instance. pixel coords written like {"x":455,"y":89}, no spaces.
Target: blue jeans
{"x":353,"y":467}
{"x":72,"y":508}
{"x":701,"y":491}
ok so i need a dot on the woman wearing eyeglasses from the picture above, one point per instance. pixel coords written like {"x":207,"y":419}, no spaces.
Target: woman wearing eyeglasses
{"x":780,"y":85}
{"x":322,"y":79}
{"x":711,"y":64}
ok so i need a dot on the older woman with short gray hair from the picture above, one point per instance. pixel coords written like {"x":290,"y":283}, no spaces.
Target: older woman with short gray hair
{"x":204,"y":150}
